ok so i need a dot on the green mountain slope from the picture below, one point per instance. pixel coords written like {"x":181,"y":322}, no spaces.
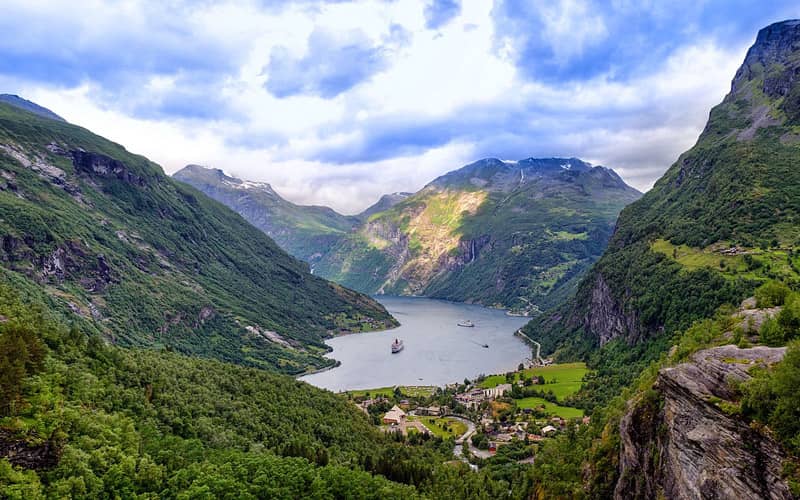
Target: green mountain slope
{"x":83,"y":419}
{"x":300,"y":230}
{"x":153,"y":262}
{"x":514,"y":234}
{"x":722,"y":219}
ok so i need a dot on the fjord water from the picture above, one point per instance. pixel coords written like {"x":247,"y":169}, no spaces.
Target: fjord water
{"x":437,"y":351}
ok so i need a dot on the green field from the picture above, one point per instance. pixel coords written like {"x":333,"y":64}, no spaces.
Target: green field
{"x":412,"y":391}
{"x":551,"y":408}
{"x":755,"y":264}
{"x":455,"y":428}
{"x":567,"y":378}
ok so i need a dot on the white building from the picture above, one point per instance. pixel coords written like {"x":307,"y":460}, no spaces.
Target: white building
{"x":496,"y":392}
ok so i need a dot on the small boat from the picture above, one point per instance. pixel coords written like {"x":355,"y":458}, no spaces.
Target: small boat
{"x":397,"y":346}
{"x":485,"y":346}
{"x":466,"y":323}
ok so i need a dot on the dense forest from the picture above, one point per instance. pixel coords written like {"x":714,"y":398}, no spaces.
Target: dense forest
{"x":90,"y":420}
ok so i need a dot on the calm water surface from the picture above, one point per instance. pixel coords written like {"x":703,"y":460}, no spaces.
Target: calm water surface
{"x":437,"y":350}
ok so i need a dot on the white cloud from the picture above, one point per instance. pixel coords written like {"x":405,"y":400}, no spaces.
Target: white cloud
{"x":459,"y":79}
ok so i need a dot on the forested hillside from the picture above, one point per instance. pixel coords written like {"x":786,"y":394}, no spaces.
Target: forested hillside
{"x":83,"y":419}
{"x":148,"y":261}
{"x":722,"y":220}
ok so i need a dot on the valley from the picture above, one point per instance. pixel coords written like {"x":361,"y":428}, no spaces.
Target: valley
{"x":508,"y":234}
{"x":436,"y":350}
{"x":514,"y":329}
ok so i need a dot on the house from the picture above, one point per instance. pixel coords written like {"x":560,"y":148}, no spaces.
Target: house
{"x":471,"y":399}
{"x":364,"y":405}
{"x":534,"y":438}
{"x":394,"y":416}
{"x":432,"y":411}
{"x":503,"y":437}
{"x":496,"y":392}
{"x":548,"y":429}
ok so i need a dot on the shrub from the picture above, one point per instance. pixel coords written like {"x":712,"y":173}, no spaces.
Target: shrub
{"x":789,"y":317}
{"x":771,"y":294}
{"x":771,"y":333}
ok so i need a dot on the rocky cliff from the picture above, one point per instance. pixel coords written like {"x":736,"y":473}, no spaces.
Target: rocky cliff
{"x":678,"y":440}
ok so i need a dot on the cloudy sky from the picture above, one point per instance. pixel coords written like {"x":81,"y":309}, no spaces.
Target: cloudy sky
{"x":336,"y":102}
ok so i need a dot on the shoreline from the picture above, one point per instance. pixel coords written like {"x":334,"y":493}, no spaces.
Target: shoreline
{"x":331,"y":354}
{"x":318,"y":370}
{"x":524,"y":338}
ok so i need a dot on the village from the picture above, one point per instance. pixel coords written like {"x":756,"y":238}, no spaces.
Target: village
{"x":498,"y":414}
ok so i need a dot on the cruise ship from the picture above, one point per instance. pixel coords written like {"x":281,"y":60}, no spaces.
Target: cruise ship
{"x":397,"y":346}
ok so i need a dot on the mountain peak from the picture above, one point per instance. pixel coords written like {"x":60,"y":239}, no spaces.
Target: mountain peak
{"x":32,"y":107}
{"x":772,"y":57}
{"x":385,"y":202}
{"x":199,"y":173}
{"x":496,"y":174}
{"x":555,"y":164}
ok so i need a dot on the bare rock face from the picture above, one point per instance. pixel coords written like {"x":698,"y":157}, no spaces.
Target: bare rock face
{"x":29,"y":456}
{"x":104,"y":166}
{"x":770,"y":58}
{"x":606,"y":316}
{"x":677,"y":442}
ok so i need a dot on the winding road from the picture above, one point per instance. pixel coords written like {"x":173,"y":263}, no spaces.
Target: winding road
{"x":458,"y":450}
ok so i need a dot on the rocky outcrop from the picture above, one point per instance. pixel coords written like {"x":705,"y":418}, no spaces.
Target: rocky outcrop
{"x":679,"y":442}
{"x":29,"y":456}
{"x":73,"y":260}
{"x":606,"y":316}
{"x":100,"y":165}
{"x":772,"y":58}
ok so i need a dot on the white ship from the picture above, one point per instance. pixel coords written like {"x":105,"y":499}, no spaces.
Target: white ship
{"x":466,"y":323}
{"x":397,"y":346}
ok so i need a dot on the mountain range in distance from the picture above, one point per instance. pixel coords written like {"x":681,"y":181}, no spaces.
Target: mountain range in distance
{"x":512,"y":234}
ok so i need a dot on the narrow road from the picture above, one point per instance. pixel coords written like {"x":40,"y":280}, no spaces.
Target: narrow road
{"x":458,"y":450}
{"x":470,"y":428}
{"x":538,"y":347}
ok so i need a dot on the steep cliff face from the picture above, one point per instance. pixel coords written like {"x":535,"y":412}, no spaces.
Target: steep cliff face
{"x":679,"y":442}
{"x":605,"y":315}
